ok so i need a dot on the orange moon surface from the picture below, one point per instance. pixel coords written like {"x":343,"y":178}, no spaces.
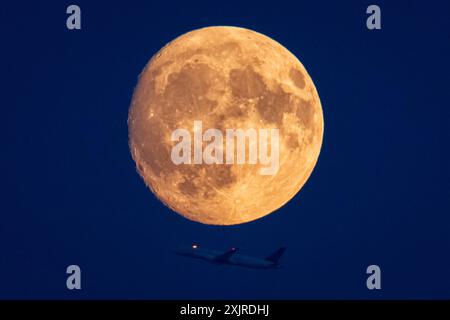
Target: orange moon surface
{"x":227,"y":77}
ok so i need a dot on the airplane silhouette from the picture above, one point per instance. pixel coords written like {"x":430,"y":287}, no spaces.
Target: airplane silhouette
{"x":231,"y":257}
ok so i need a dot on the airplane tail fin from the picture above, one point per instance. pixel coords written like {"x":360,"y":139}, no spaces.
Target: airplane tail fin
{"x":276,"y":256}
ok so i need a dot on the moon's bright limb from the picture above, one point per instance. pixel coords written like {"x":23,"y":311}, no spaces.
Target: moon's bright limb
{"x":227,"y":77}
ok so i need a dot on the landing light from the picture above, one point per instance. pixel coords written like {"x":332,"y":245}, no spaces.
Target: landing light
{"x":194,"y":246}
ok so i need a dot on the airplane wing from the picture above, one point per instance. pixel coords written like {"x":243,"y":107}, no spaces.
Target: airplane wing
{"x":276,"y":256}
{"x":225,"y":256}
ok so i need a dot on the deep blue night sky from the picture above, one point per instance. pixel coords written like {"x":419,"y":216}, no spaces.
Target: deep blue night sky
{"x":378,"y":195}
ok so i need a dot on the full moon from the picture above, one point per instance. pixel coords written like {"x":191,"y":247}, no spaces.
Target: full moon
{"x":227,"y":78}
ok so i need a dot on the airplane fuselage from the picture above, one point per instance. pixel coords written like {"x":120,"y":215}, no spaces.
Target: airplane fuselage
{"x":235,"y":259}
